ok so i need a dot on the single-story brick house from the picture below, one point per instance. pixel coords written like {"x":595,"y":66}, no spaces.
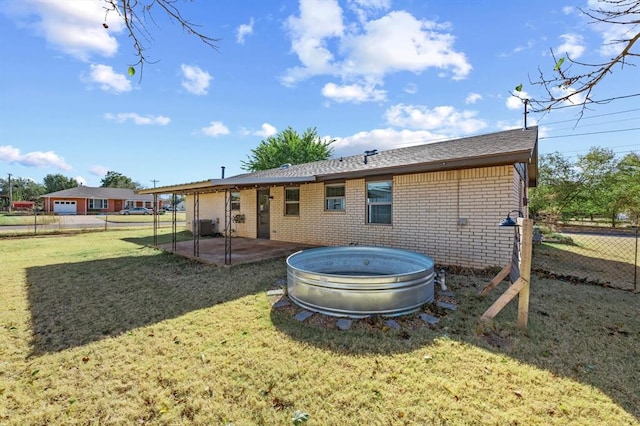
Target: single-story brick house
{"x":442,"y":199}
{"x":90,"y":200}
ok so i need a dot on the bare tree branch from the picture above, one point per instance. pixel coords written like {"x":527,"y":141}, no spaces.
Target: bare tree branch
{"x":137,"y":13}
{"x":577,"y":80}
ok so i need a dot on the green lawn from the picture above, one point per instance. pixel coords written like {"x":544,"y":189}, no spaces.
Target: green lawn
{"x":99,"y":328}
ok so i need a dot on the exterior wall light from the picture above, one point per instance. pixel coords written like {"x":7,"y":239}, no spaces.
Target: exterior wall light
{"x":507,"y":221}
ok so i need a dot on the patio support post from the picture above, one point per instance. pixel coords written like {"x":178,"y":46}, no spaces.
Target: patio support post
{"x":196,"y":224}
{"x":227,"y":226}
{"x":174,"y":224}
{"x":155,"y":219}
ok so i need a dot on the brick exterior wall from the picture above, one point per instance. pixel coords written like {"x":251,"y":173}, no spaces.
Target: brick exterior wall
{"x":451,"y":216}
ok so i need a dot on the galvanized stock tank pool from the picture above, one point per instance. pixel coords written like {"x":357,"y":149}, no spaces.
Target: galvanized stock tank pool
{"x":358,"y":282}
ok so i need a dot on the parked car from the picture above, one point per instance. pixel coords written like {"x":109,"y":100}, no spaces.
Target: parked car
{"x":137,"y":210}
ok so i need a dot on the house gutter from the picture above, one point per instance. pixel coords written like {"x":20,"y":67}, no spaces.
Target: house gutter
{"x":436,"y":166}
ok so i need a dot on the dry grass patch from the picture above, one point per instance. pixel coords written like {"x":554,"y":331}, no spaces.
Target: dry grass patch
{"x":96,"y":329}
{"x":603,"y":259}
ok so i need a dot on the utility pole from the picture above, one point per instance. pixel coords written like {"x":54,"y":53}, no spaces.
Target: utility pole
{"x":10,"y":193}
{"x":154,"y":182}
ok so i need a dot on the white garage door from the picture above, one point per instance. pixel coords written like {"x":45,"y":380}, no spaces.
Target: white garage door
{"x":64,"y":207}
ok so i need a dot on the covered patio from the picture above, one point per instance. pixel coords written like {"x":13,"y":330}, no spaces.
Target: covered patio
{"x":244,"y":250}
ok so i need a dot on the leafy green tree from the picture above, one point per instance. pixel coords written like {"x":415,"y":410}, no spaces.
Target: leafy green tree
{"x":557,"y":186}
{"x":288,"y":147}
{"x":175,"y":199}
{"x":58,"y":182}
{"x":118,"y":180}
{"x":627,"y":185}
{"x":22,"y":189}
{"x":596,"y":183}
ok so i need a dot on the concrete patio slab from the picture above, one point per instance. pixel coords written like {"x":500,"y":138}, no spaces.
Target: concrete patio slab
{"x":243,"y":250}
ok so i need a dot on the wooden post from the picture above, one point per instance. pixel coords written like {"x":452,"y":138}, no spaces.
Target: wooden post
{"x":521,"y":285}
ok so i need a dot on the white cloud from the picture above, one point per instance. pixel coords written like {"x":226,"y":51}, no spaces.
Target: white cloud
{"x":443,"y":118}
{"x":318,"y":20}
{"x":137,"y":118}
{"x":195,"y":80}
{"x":528,"y":45}
{"x":411,"y":88}
{"x":400,"y":42}
{"x":472,"y":98}
{"x":573,"y":99}
{"x":72,"y":27}
{"x":215,"y":128}
{"x":12,"y":155}
{"x":353,"y":93}
{"x":572,"y":46}
{"x":370,"y":49}
{"x":107,"y":79}
{"x":509,"y":124}
{"x":99,"y":170}
{"x":383,"y":139}
{"x":266,"y":131}
{"x":81,"y":180}
{"x":372,"y":4}
{"x":243,"y":31}
{"x":609,"y":33}
{"x":365,"y":8}
{"x":516,"y":101}
{"x":518,"y":124}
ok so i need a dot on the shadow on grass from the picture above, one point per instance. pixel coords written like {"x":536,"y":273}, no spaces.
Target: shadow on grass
{"x":162,"y":239}
{"x":586,"y":333}
{"x":73,"y":304}
{"x":365,"y":337}
{"x":570,"y":266}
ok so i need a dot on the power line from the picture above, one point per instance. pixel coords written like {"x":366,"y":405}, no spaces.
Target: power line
{"x":592,"y":116}
{"x":590,"y":133}
{"x":610,"y":147}
{"x":624,"y":120}
{"x":583,"y":104}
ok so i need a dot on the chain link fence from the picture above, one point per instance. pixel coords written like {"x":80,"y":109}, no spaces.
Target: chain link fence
{"x":588,"y":254}
{"x":37,"y":223}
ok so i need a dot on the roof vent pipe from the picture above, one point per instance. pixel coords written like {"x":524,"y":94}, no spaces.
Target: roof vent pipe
{"x":369,"y":154}
{"x":222,"y":167}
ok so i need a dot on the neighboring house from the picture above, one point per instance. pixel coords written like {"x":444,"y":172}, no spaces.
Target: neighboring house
{"x":23,"y":205}
{"x":442,"y":199}
{"x":88,"y":200}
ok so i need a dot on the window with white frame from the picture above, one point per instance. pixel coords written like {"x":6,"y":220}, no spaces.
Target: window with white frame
{"x":235,"y":200}
{"x":379,"y":202}
{"x":334,"y":199}
{"x":98,"y":204}
{"x":292,"y":202}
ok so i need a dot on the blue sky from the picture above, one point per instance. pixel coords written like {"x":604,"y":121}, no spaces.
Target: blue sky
{"x":371,"y":74}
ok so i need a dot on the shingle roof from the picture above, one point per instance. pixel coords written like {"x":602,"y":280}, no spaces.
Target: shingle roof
{"x":101,"y":193}
{"x":501,"y":148}
{"x":493,"y":149}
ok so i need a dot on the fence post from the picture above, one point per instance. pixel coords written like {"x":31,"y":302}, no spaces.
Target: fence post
{"x":635,"y":263}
